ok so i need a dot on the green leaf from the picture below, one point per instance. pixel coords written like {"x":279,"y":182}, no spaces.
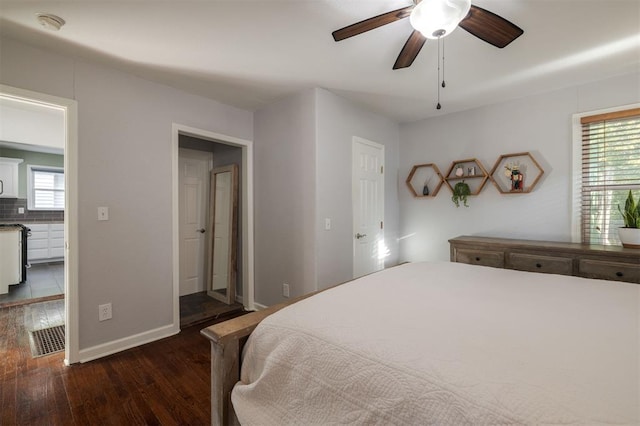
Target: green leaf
{"x":631,"y":212}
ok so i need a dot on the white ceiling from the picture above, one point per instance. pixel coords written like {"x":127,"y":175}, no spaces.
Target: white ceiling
{"x":249,"y":53}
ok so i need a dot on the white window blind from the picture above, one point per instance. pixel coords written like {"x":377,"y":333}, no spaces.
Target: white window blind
{"x":46,"y":191}
{"x":610,"y":168}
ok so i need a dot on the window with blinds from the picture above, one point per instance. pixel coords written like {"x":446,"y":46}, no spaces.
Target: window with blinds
{"x":610,"y":168}
{"x":46,"y":188}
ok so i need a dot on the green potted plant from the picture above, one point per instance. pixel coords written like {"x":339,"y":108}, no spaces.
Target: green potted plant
{"x":630,"y":234}
{"x":460,"y":193}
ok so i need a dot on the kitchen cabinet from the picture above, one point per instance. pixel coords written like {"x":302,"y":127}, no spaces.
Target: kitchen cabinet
{"x":46,"y":242}
{"x":9,"y":177}
{"x":10,"y":261}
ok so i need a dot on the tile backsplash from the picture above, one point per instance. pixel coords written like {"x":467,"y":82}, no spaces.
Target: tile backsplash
{"x":9,"y":212}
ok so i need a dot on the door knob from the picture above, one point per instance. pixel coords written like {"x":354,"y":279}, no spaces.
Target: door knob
{"x":201,"y":230}
{"x":359,"y":235}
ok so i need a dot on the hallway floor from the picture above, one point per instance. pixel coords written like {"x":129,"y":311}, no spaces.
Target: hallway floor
{"x":198,"y":307}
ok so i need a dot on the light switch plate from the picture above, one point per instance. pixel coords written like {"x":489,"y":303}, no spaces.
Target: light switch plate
{"x":103,"y":213}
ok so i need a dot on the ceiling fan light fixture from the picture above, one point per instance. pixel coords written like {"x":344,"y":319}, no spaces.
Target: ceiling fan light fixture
{"x":438,"y":18}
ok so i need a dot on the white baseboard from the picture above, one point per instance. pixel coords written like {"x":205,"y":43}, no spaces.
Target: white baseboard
{"x":259,"y":306}
{"x":119,"y":345}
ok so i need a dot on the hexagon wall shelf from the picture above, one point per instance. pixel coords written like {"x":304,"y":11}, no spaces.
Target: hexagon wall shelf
{"x":524,"y":181}
{"x":473,"y":172}
{"x":422,"y":175}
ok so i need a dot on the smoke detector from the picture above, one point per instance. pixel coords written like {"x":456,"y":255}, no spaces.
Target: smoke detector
{"x":50,"y":22}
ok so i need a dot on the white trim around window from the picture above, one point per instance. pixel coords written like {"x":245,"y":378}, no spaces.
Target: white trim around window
{"x":48,"y":196}
{"x":576,"y":166}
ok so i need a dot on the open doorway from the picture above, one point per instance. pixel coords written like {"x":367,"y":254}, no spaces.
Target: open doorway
{"x":37,"y":208}
{"x":39,"y":133}
{"x":199,"y":158}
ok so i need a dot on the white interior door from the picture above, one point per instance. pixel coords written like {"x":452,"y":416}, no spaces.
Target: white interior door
{"x":369,"y":249}
{"x":194,"y":189}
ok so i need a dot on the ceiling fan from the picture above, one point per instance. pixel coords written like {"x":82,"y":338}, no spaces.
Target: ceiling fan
{"x":435,"y":19}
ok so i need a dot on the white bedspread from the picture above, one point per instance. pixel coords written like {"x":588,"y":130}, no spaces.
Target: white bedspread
{"x":448,"y":344}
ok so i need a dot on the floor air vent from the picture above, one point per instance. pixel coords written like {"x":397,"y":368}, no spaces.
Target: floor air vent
{"x":47,"y":341}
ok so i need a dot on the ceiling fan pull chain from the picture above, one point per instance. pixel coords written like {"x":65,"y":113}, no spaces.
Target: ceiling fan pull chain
{"x":438,"y":106}
{"x":443,"y":84}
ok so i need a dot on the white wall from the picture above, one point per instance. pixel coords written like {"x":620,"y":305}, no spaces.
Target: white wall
{"x":338,"y":122}
{"x":284,"y":197}
{"x":539,"y":124}
{"x":124,"y":163}
{"x":303,"y":175}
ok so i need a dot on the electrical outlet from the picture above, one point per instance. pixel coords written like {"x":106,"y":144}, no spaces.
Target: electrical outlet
{"x":104,"y":312}
{"x":285,"y":290}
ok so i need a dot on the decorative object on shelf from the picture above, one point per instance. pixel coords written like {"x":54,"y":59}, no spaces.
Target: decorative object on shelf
{"x":516,"y":167}
{"x":474,"y":181}
{"x":512,"y":171}
{"x":424,"y":173}
{"x":460,"y":193}
{"x":630,"y":234}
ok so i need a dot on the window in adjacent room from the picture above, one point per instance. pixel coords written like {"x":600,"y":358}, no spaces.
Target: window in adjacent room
{"x":45,"y":186}
{"x":609,"y":150}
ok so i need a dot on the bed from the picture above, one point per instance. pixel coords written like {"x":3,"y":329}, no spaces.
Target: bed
{"x":436,"y":343}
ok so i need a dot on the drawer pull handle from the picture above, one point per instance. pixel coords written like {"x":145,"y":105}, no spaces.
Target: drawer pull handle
{"x":538,"y":265}
{"x":619,"y":274}
{"x":477,"y":259}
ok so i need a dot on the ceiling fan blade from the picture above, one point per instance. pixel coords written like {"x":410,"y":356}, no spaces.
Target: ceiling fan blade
{"x":490,"y":27}
{"x":410,"y":50}
{"x":371,"y":23}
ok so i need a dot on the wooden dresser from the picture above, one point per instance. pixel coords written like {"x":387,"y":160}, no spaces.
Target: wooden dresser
{"x":582,"y":260}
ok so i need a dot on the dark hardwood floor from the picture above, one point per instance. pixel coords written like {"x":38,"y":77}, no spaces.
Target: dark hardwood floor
{"x":162,"y":383}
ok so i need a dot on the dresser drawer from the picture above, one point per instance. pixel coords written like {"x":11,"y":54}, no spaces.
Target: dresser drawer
{"x":481,"y":257}
{"x":538,"y":263}
{"x":605,"y":270}
{"x":585,"y":260}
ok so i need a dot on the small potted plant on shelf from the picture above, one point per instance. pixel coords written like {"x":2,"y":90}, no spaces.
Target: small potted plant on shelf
{"x":630,"y":234}
{"x":460,"y":193}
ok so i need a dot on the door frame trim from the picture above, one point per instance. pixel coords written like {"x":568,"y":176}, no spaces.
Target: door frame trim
{"x":72,"y":304}
{"x":247,"y":212}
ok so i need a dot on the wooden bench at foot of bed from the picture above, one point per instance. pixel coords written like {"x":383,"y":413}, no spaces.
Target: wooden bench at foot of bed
{"x":227,"y":340}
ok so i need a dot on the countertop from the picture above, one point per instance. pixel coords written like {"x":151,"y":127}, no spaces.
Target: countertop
{"x":10,"y":227}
